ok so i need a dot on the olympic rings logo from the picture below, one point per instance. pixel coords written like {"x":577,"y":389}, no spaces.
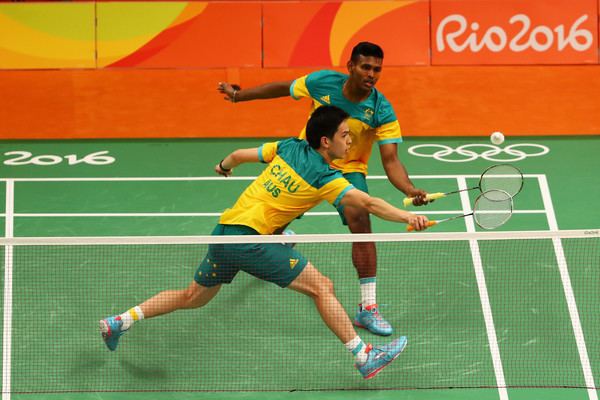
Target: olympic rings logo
{"x":470,"y":152}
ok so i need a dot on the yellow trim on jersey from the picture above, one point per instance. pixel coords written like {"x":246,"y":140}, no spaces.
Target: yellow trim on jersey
{"x":299,"y":89}
{"x":268,"y":151}
{"x":391,"y":130}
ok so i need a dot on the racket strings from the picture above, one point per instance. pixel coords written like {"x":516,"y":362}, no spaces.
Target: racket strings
{"x":503,"y":177}
{"x":492,"y":209}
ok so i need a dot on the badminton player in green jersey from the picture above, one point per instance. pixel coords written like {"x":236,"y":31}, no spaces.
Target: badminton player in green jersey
{"x":297,"y":178}
{"x":372,"y":119}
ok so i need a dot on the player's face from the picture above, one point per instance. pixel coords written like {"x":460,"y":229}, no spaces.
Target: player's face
{"x":365,"y":72}
{"x":340,"y":144}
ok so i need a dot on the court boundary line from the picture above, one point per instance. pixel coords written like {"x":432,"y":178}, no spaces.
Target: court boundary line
{"x":7,"y":305}
{"x":484,"y":298}
{"x":568,"y":292}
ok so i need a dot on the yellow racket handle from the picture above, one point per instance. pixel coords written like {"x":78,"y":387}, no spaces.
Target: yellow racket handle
{"x":411,"y":228}
{"x":430,"y":196}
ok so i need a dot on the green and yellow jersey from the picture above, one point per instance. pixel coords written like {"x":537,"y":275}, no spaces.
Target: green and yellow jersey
{"x":296,"y":179}
{"x":372,"y":120}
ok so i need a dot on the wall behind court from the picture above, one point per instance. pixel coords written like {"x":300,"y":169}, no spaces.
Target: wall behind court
{"x":149,"y":69}
{"x":291,"y":34}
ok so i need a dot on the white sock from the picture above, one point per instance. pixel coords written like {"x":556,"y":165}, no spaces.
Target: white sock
{"x":368,"y":289}
{"x":358,"y":348}
{"x":130,"y":316}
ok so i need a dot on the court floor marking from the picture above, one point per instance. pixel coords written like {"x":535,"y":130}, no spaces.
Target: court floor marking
{"x":9,"y":220}
{"x":483,"y":295}
{"x":220,"y":178}
{"x":7,"y":320}
{"x":568,"y":291}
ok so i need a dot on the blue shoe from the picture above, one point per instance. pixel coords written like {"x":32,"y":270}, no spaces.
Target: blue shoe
{"x":381,"y":357}
{"x":111,"y":331}
{"x":369,"y":318}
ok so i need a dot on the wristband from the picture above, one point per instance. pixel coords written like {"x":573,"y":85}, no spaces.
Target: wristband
{"x":223,"y":168}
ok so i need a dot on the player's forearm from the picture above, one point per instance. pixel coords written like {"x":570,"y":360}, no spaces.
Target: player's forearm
{"x":229,"y":162}
{"x":398,"y":176}
{"x":238,"y":157}
{"x":267,"y":91}
{"x":385,"y":210}
{"x":394,"y":169}
{"x":382,"y":209}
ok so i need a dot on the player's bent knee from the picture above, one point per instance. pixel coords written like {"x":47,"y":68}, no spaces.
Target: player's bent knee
{"x":190,"y":298}
{"x":358,"y":220}
{"x":325,"y":287}
{"x":197,"y":295}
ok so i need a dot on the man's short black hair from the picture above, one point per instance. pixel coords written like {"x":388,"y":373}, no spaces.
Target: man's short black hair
{"x":324,"y":121}
{"x":366,"y":49}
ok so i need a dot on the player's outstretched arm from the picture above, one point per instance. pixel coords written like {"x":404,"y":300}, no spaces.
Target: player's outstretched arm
{"x":240,"y":156}
{"x":395,"y":171}
{"x":383,"y":209}
{"x":235,"y":94}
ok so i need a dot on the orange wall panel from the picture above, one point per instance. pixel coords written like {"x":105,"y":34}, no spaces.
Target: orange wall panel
{"x":453,"y":101}
{"x":298,"y":34}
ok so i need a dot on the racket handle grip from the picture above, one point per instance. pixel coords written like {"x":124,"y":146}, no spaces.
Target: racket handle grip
{"x":430,"y":196}
{"x":411,"y":228}
{"x":435,"y":196}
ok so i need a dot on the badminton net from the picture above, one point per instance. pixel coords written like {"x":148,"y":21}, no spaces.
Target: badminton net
{"x":487,"y":309}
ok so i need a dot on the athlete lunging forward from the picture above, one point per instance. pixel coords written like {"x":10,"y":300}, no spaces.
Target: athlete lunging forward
{"x":297,"y":178}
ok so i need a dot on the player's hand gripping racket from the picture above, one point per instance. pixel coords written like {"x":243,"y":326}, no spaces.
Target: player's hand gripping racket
{"x":492,"y":209}
{"x":497,"y":177}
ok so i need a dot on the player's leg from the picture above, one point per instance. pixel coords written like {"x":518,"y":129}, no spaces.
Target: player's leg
{"x":213,"y":271}
{"x":194,"y":296}
{"x":369,"y":360}
{"x":317,"y":286}
{"x":288,"y":268}
{"x":364,"y":258}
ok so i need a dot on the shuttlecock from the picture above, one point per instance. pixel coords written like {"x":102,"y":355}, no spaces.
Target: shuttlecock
{"x":497,"y":138}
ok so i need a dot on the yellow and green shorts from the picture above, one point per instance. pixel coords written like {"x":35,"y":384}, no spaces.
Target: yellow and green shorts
{"x":272,"y":262}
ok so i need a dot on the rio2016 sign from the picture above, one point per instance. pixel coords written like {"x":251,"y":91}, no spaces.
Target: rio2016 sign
{"x":540,"y":38}
{"x":514,"y":32}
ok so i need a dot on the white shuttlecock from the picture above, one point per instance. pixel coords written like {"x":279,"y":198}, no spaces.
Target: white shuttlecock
{"x":497,"y":138}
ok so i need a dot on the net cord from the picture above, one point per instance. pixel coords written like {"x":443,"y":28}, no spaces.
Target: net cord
{"x":315,"y":238}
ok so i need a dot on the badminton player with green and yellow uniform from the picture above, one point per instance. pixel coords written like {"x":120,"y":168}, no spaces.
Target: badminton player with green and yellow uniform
{"x":298,"y":177}
{"x":296,"y":180}
{"x":372,"y":120}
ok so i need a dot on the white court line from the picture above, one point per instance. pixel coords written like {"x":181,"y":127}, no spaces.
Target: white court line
{"x":568,"y":291}
{"x":221,"y":178}
{"x":484,"y":297}
{"x":8,"y":267}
